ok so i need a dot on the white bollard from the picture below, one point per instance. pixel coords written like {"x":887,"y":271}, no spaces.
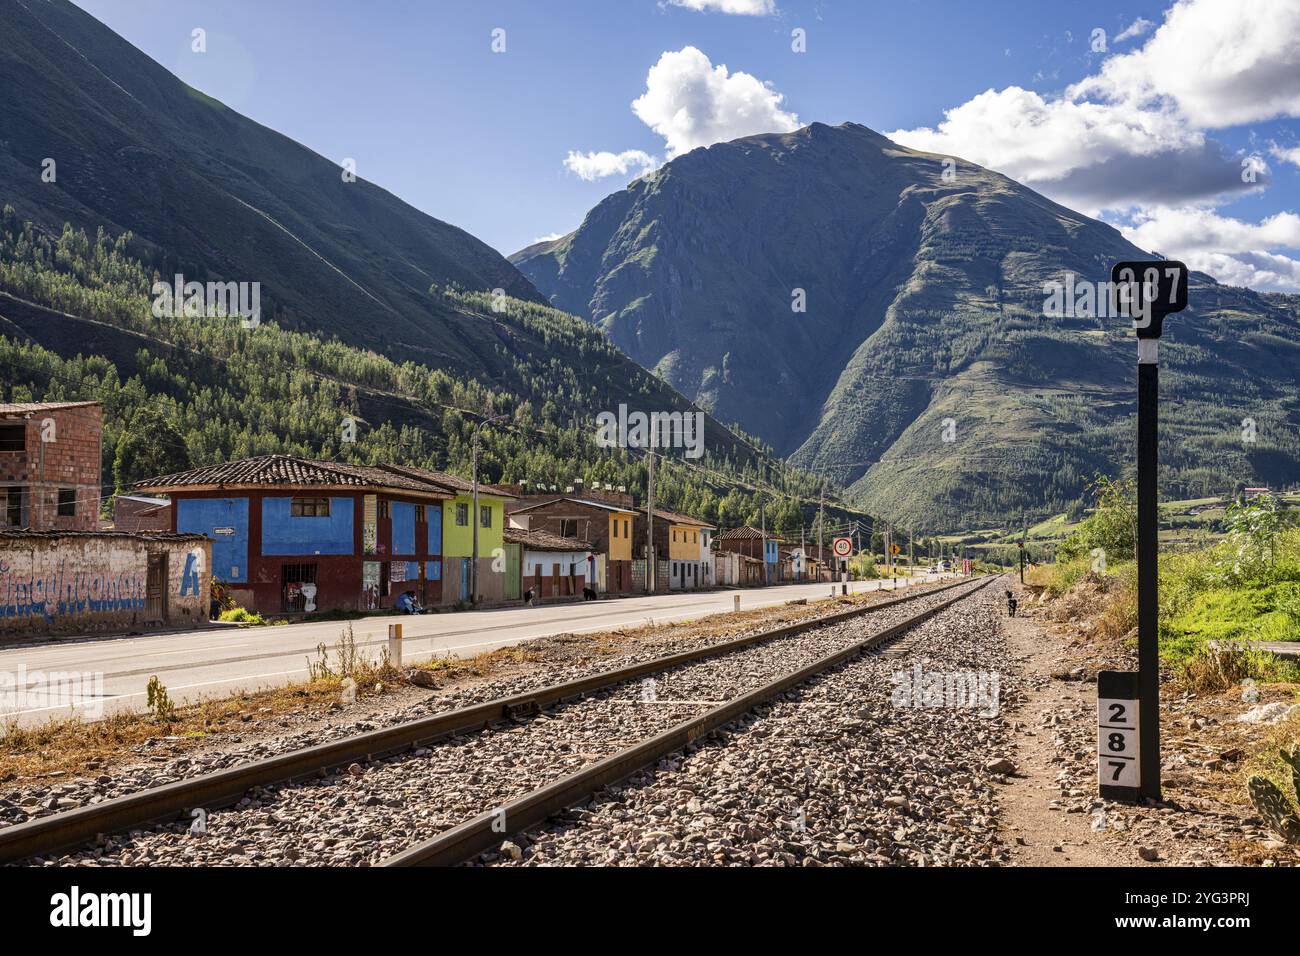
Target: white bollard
{"x":395,"y":644}
{"x":737,"y":602}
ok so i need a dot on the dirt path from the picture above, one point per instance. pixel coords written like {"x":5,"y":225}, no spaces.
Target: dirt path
{"x":1042,"y":825}
{"x":1051,"y":813}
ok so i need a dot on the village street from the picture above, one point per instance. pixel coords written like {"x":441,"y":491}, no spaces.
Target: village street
{"x":218,"y":660}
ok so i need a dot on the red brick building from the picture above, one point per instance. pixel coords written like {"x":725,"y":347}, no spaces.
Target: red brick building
{"x":603,"y":520}
{"x":50,"y":455}
{"x":134,"y":513}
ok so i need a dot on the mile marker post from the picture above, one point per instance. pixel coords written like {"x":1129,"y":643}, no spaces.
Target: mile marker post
{"x":1147,"y":292}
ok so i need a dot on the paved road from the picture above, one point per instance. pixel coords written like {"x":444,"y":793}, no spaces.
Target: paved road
{"x":110,"y":675}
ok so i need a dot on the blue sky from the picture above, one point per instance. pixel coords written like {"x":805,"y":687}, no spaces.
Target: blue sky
{"x":1149,"y":133}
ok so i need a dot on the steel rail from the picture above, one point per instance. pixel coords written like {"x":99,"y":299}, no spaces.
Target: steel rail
{"x":221,"y":788}
{"x":489,"y":829}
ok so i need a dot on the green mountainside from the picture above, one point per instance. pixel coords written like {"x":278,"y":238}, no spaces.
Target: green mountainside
{"x":924,"y":321}
{"x":369,"y":307}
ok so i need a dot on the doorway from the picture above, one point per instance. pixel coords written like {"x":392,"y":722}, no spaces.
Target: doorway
{"x":155,"y":592}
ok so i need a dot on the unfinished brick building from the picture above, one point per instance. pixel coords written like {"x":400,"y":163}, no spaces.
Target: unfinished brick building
{"x":50,"y":455}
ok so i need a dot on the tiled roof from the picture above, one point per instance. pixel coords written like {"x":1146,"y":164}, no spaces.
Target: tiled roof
{"x":289,"y":470}
{"x":544,"y":541}
{"x":10,"y":534}
{"x":448,"y":481}
{"x":24,"y":408}
{"x":743,"y":534}
{"x":678,"y":518}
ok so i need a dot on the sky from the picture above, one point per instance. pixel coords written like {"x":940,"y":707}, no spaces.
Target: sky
{"x":1174,"y":121}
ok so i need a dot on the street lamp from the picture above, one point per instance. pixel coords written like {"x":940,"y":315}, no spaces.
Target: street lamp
{"x":474,"y":517}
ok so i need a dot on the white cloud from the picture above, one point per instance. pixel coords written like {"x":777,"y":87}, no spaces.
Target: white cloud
{"x":691,"y":103}
{"x":1135,"y":29}
{"x":1231,"y":250}
{"x":1287,"y":155}
{"x":1136,"y":135}
{"x":549,"y":238}
{"x":1218,"y":62}
{"x":1089,"y":156}
{"x":1210,"y":65}
{"x":598,"y":165}
{"x":752,"y":8}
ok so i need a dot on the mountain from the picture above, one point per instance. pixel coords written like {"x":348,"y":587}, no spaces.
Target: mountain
{"x":924,"y":371}
{"x":217,"y":196}
{"x":370,"y":308}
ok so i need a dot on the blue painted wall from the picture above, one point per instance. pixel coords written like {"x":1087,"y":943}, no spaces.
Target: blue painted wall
{"x":229,"y":551}
{"x":283,"y":534}
{"x":403,"y":527}
{"x":433,"y":570}
{"x":771,"y":554}
{"x":434,"y":514}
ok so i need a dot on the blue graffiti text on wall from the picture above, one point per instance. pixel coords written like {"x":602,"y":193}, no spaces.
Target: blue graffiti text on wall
{"x":61,"y":593}
{"x":190,"y":578}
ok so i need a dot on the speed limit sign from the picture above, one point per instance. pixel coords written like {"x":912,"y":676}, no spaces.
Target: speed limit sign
{"x":842,"y":547}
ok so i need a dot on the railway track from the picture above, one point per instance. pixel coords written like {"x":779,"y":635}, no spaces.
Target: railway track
{"x":848,"y":769}
{"x":588,"y":728}
{"x":488,"y":829}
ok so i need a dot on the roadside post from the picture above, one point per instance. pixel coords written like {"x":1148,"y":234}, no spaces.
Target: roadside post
{"x":395,"y":644}
{"x":1119,"y":758}
{"x":1146,"y":292}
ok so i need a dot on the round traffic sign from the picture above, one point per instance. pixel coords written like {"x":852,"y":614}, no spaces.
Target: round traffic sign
{"x":843,"y":547}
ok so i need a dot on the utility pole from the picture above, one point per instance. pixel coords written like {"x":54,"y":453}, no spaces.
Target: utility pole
{"x":821,"y":523}
{"x":803,"y":548}
{"x":651,"y":571}
{"x":762,"y":527}
{"x":474,"y":517}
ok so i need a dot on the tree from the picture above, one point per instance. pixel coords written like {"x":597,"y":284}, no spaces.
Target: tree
{"x":150,"y":445}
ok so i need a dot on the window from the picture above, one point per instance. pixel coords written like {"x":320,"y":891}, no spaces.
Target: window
{"x":383,"y":509}
{"x":67,"y":502}
{"x":13,"y":437}
{"x":292,"y":579}
{"x":616,"y":529}
{"x":309,"y":508}
{"x":485,"y":516}
{"x":419,"y":514}
{"x":13,"y":504}
{"x":568,"y":527}
{"x":674,"y":535}
{"x":462,"y":515}
{"x":625,"y":534}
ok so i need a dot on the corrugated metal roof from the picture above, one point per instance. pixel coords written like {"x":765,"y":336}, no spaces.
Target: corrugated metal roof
{"x":603,"y":505}
{"x":746,"y":533}
{"x":25,"y":408}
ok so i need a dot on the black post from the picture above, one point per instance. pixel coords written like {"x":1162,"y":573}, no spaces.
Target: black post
{"x":1148,"y":553}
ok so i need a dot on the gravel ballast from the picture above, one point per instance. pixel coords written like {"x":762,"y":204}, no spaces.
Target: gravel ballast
{"x":367,"y":812}
{"x":837,"y":771}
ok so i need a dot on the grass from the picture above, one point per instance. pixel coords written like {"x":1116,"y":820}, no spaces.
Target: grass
{"x":242,"y":616}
